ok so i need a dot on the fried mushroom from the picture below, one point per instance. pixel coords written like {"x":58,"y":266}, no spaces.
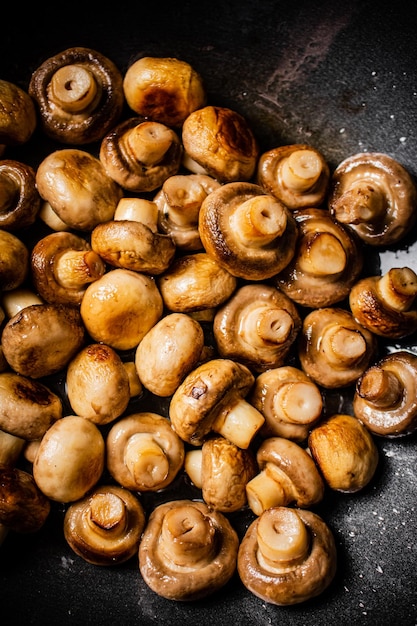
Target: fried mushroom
{"x":14,"y":261}
{"x":18,"y":118}
{"x":23,"y":506}
{"x":20,"y":201}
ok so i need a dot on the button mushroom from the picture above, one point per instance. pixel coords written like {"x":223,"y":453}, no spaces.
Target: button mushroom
{"x":187,"y":551}
{"x":345,"y":452}
{"x":385,"y":399}
{"x":23,"y":506}
{"x":164,"y":89}
{"x":77,"y":187}
{"x":17,"y":115}
{"x":79,"y":95}
{"x":374,"y":195}
{"x":20,"y":201}
{"x":327,"y":261}
{"x":104,"y":528}
{"x":140,"y":154}
{"x":211,"y":398}
{"x":386,"y":305}
{"x":63,"y":265}
{"x":143,"y":452}
{"x":256,"y":326}
{"x":250,"y":233}
{"x":41,"y":339}
{"x":296,"y":174}
{"x":289,"y":400}
{"x":14,"y":261}
{"x":220,"y":143}
{"x":287,"y":556}
{"x":334,"y":350}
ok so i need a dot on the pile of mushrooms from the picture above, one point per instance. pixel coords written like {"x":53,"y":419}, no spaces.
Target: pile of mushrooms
{"x":179,"y":267}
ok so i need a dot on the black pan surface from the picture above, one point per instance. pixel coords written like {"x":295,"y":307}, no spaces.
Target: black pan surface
{"x":341,"y":76}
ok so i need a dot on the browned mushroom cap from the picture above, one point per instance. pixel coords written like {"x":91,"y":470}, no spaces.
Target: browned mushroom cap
{"x":179,"y":201}
{"x":79,"y":95}
{"x":63,"y":265}
{"x":287,"y":556}
{"x":105,"y":527}
{"x":387,"y":305}
{"x":345,"y":452}
{"x":14,"y":261}
{"x":77,"y":187}
{"x":11,"y":448}
{"x":287,"y":475}
{"x":257,"y":326}
{"x":219,"y":142}
{"x":70,"y":459}
{"x":23,"y":506}
{"x":140,"y":154}
{"x":211,"y":398}
{"x":133,"y":246}
{"x":17,"y":115}
{"x":385,"y":398}
{"x":166,"y":89}
{"x":195,"y":282}
{"x":97,"y":384}
{"x":296,"y":174}
{"x":250,"y":233}
{"x":289,"y":400}
{"x":42,"y":338}
{"x":168,"y":352}
{"x":119,"y":308}
{"x":334,"y":350}
{"x":143,"y":452}
{"x":375,"y":196}
{"x":19,"y":198}
{"x":327,"y":261}
{"x":27,"y":407}
{"x":187,"y":551}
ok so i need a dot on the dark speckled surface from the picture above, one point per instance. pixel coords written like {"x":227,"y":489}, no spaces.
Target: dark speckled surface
{"x":343,"y":77}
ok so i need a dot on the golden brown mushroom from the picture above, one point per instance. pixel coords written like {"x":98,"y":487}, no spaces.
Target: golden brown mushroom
{"x":345,"y":452}
{"x":77,"y":187}
{"x":79,"y":95}
{"x":11,"y":448}
{"x":373,"y":194}
{"x":23,"y":506}
{"x":327,"y":261}
{"x":211,"y":398}
{"x":289,"y":400}
{"x":256,"y":326}
{"x":296,"y":174}
{"x":249,"y":232}
{"x":143,"y":452}
{"x":17,"y":115}
{"x":386,"y":305}
{"x":63,"y":265}
{"x":20,"y":201}
{"x":140,"y":154}
{"x":41,"y":339}
{"x":164,"y":89}
{"x":187,"y":551}
{"x":334,"y":350}
{"x":14,"y":261}
{"x":385,"y":398}
{"x":104,"y":528}
{"x":287,"y":556}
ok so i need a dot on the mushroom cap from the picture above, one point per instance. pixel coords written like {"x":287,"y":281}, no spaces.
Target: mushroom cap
{"x":23,"y":506}
{"x":17,"y":115}
{"x":14,"y":261}
{"x":20,"y":201}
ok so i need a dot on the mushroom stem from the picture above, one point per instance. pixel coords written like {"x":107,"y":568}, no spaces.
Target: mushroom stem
{"x":300,"y":170}
{"x":283,"y":539}
{"x":266,"y":324}
{"x":138,"y":210}
{"x":321,"y":254}
{"x":398,"y":288}
{"x":148,"y":142}
{"x":51,"y":219}
{"x":259,"y":220}
{"x":342,"y":346}
{"x":146,"y":460}
{"x":193,"y":466}
{"x":363,"y":202}
{"x":17,"y":299}
{"x":238,"y":422}
{"x":380,"y":387}
{"x":267,"y":489}
{"x":298,"y":402}
{"x":184,"y":197}
{"x":187,"y":536}
{"x":76,"y":268}
{"x":73,"y":88}
{"x":107,"y":512}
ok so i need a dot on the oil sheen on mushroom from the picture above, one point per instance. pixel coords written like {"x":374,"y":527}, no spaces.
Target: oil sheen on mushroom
{"x":20,"y":201}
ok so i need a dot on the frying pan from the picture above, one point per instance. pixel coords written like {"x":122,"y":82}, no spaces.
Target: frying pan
{"x":341,"y":76}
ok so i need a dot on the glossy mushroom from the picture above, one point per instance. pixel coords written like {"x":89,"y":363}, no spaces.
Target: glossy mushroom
{"x":14,"y":261}
{"x":11,"y":448}
{"x":20,"y":201}
{"x":23,"y":506}
{"x":296,"y":174}
{"x":327,"y":261}
{"x":249,"y":232}
{"x":385,"y":398}
{"x":387,"y":305}
{"x":289,"y":400}
{"x":63,"y":264}
{"x":287,"y":475}
{"x":287,"y":556}
{"x":345,"y":452}
{"x":374,"y":194}
{"x":334,"y":350}
{"x":17,"y":299}
{"x":17,"y":115}
{"x":143,"y":452}
{"x":211,"y":398}
{"x":104,"y":528}
{"x":256,"y":326}
{"x":78,"y":94}
{"x":187,"y":551}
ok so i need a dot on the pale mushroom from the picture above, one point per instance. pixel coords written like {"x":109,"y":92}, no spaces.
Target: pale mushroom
{"x":17,"y":299}
{"x":20,"y":201}
{"x":14,"y":261}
